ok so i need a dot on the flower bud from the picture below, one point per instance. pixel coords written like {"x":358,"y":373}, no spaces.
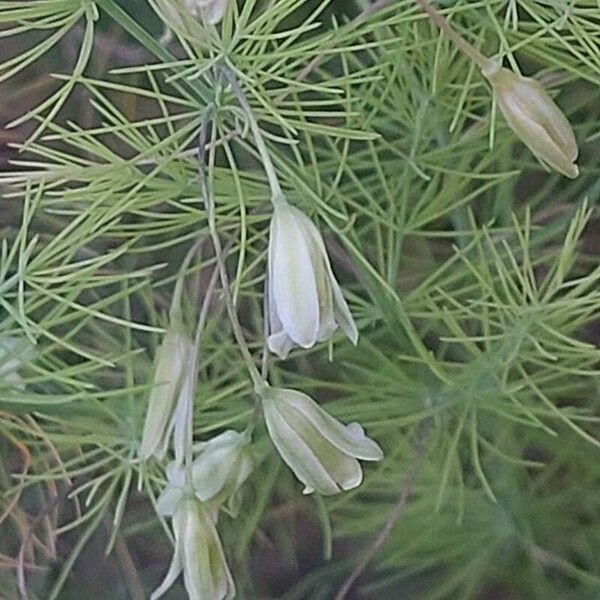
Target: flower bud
{"x":223,"y":465}
{"x":304,"y":300}
{"x":321,"y":451}
{"x":198,"y":550}
{"x":173,"y":364}
{"x":535,"y":118}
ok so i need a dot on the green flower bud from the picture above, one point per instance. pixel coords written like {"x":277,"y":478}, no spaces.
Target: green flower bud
{"x":173,"y":367}
{"x":221,"y":468}
{"x":535,"y":118}
{"x":321,"y":451}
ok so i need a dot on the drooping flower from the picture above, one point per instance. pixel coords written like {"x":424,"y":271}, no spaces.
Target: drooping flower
{"x":222,"y":466}
{"x":535,"y":118}
{"x":304,"y":300}
{"x":198,"y":551}
{"x":322,"y":452}
{"x":174,"y":375}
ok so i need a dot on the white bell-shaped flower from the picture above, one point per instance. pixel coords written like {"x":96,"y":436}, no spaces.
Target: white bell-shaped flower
{"x":169,"y":395}
{"x":220,"y":469}
{"x":198,"y":550}
{"x":305,"y":302}
{"x":322,"y":452}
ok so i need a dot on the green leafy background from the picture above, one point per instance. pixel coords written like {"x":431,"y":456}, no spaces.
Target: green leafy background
{"x":471,"y":271}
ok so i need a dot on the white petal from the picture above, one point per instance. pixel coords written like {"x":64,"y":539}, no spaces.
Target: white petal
{"x":280,"y":343}
{"x":205,"y":569}
{"x":214,"y":12}
{"x":168,"y":500}
{"x":314,"y":243}
{"x":174,"y":569}
{"x":278,"y":340}
{"x":346,"y":439}
{"x":349,"y":473}
{"x":292,"y":279}
{"x":172,"y":357}
{"x":217,"y":466}
{"x":344,"y":469}
{"x":183,"y":413}
{"x":341,"y":312}
{"x":343,"y":316}
{"x":296,"y":453}
{"x":175,"y":474}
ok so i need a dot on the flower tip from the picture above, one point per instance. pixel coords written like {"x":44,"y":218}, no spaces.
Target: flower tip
{"x":491,"y":68}
{"x":371,"y":450}
{"x":572,"y":172}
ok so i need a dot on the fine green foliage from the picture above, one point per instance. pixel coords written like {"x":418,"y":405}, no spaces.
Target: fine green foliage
{"x":472,"y":273}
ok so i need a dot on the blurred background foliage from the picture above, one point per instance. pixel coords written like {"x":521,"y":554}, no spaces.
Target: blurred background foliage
{"x":473,"y":274}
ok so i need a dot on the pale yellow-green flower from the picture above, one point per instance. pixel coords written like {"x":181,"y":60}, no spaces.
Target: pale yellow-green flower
{"x":304,"y":301}
{"x":221,"y":467}
{"x":535,"y":118}
{"x":322,"y":452}
{"x":198,"y":552}
{"x":171,"y":388}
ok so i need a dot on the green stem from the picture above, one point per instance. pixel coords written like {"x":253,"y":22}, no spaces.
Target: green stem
{"x":458,"y":40}
{"x":175,"y":312}
{"x":189,"y":457}
{"x":209,"y":203}
{"x":277,"y":196}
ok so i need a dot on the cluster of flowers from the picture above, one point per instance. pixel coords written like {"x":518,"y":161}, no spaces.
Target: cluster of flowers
{"x":193,"y":503}
{"x":305,"y":306}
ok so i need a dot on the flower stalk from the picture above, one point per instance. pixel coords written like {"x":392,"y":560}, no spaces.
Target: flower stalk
{"x":458,"y":40}
{"x":277,"y":196}
{"x":209,"y":204}
{"x":527,"y":107}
